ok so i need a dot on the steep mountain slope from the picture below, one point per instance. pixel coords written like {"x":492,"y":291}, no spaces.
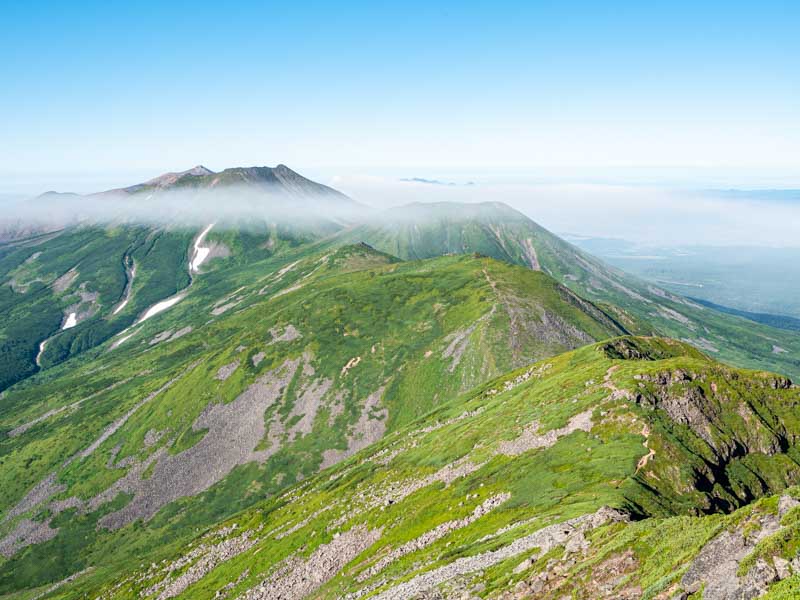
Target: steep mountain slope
{"x":158,"y":379}
{"x":260,"y":376}
{"x":589,"y":475}
{"x":64,"y":293}
{"x":111,"y":254}
{"x":494,"y":229}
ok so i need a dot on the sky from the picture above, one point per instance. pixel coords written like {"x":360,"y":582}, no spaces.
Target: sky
{"x":118,"y":91}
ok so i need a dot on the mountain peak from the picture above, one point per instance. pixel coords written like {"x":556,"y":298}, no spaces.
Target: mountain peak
{"x":199,"y":170}
{"x":168,"y":179}
{"x":273,"y":180}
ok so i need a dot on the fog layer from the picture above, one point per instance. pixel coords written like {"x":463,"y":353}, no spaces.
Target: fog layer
{"x":648,"y":215}
{"x":638,"y":213}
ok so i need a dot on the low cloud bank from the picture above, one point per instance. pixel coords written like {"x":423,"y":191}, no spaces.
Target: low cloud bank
{"x":231,"y":206}
{"x":652,"y":215}
{"x":646,"y":215}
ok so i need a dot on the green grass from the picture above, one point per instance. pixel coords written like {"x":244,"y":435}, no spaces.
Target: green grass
{"x":398,"y":318}
{"x":354,"y":302}
{"x":494,"y":229}
{"x":578,"y":474}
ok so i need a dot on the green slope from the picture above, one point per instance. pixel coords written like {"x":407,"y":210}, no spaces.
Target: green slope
{"x":297,"y":348}
{"x":81,"y":271}
{"x":600,"y":473}
{"x":494,"y":229}
{"x":87,"y":270}
{"x":264,"y":373}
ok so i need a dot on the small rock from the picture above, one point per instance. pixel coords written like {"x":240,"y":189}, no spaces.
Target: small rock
{"x":537,"y":585}
{"x":523,"y":566}
{"x":782,"y":567}
{"x":786,"y":503}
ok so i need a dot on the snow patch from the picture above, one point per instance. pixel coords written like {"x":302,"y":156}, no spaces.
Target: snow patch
{"x":350,"y":364}
{"x":120,"y":307}
{"x":161,"y":307}
{"x":42,"y":346}
{"x":130,"y":273}
{"x":71,"y":321}
{"x":200,"y":252}
{"x":122,"y":340}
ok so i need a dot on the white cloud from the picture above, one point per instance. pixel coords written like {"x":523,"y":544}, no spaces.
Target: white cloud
{"x":638,"y":213}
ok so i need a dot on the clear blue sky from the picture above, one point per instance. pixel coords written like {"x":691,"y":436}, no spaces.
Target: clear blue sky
{"x":93,"y":86}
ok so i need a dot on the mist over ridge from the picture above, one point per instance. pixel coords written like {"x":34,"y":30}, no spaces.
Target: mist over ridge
{"x":654,"y":213}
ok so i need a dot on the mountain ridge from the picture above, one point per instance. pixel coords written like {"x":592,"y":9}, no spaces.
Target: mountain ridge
{"x":173,"y":376}
{"x":514,"y":491}
{"x":497,"y":230}
{"x":275,"y":180}
{"x":324,"y":354}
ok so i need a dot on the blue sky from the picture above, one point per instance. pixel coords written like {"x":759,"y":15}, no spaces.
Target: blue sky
{"x":93,"y":87}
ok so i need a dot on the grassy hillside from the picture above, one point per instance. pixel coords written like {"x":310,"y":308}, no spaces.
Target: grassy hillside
{"x":263,"y":374}
{"x":81,"y":271}
{"x":92,"y":270}
{"x":626,"y":469}
{"x":62,"y":292}
{"x":494,"y":229}
{"x":260,"y":409}
{"x":35,"y":310}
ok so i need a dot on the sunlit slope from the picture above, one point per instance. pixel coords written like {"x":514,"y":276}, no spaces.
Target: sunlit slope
{"x":497,"y":230}
{"x":120,"y":252}
{"x":594,"y":474}
{"x":107,"y":277}
{"x":80,"y":272}
{"x":263,"y":374}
